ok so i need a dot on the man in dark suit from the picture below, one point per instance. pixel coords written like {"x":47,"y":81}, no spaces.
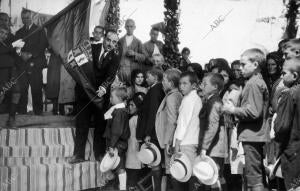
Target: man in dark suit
{"x":100,"y":73}
{"x":33,"y":58}
{"x":153,"y":47}
{"x":9,"y":84}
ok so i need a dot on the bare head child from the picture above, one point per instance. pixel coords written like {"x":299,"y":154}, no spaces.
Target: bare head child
{"x":291,"y":72}
{"x":252,"y":61}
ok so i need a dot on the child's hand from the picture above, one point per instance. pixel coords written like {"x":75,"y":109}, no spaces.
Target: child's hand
{"x":203,"y":153}
{"x":177,"y":152}
{"x":147,"y":139}
{"x":111,"y":151}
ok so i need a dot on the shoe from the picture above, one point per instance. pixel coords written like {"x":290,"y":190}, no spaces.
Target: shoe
{"x":75,"y":159}
{"x":11,"y":123}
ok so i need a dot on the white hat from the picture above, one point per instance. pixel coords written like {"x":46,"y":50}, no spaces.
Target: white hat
{"x":275,"y":170}
{"x":149,"y":154}
{"x":206,"y":170}
{"x":110,"y":163}
{"x":181,"y":168}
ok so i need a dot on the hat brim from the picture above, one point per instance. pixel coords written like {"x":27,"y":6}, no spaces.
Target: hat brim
{"x":158,"y":154}
{"x":108,"y":162}
{"x":184,"y":158}
{"x":276,"y":170}
{"x":212,"y":163}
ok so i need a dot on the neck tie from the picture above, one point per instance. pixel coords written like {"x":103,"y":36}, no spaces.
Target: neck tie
{"x":101,"y":58}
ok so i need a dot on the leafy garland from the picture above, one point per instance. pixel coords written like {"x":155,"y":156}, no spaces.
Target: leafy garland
{"x":171,"y":51}
{"x":291,"y":15}
{"x":113,"y":15}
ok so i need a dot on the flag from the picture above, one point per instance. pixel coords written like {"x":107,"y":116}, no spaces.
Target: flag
{"x":68,"y":30}
{"x":38,"y":18}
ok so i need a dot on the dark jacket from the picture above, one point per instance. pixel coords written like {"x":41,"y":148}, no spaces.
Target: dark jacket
{"x":253,"y":111}
{"x":9,"y":65}
{"x":53,"y":77}
{"x":117,"y":130}
{"x":7,"y":56}
{"x":287,"y":133}
{"x":149,"y":48}
{"x":100,"y":74}
{"x":147,"y":113}
{"x":212,"y":134}
{"x":35,"y":43}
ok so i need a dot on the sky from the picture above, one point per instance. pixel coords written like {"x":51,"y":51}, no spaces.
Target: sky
{"x":210,"y":28}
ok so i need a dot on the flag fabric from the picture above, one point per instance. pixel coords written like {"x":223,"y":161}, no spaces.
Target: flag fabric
{"x":38,"y":18}
{"x":69,"y":30}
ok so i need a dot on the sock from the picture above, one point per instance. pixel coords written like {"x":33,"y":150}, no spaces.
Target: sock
{"x":122,"y":181}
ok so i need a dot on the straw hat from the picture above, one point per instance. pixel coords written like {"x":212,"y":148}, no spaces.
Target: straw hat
{"x":275,"y":170}
{"x":110,"y":163}
{"x":181,"y":168}
{"x":206,"y":170}
{"x":149,"y":154}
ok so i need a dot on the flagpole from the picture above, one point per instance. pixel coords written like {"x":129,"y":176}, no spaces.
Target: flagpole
{"x":10,"y":8}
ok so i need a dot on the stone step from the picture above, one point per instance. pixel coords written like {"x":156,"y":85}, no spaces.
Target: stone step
{"x":63,"y":135}
{"x":37,"y":151}
{"x":52,"y":177}
{"x":19,"y":161}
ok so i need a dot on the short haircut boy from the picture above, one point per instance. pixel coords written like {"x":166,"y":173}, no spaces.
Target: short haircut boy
{"x":121,"y":92}
{"x":192,"y":76}
{"x":256,"y":55}
{"x":156,"y":72}
{"x":173,"y":75}
{"x":216,"y":79}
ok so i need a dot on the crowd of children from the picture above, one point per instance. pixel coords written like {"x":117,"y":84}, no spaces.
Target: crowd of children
{"x":219,"y":129}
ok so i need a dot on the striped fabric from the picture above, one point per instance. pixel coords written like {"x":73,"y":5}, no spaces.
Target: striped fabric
{"x":35,"y":159}
{"x":53,"y":177}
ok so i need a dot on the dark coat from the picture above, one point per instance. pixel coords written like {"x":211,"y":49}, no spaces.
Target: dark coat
{"x":149,"y":48}
{"x":99,"y":74}
{"x":9,"y":66}
{"x":53,"y":77}
{"x":287,"y":133}
{"x":147,"y":113}
{"x":212,"y":134}
{"x":35,"y":43}
{"x":117,"y":130}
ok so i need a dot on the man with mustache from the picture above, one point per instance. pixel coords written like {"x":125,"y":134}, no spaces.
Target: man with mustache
{"x":100,"y":73}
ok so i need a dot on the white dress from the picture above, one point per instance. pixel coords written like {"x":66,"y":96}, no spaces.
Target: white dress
{"x":132,"y":162}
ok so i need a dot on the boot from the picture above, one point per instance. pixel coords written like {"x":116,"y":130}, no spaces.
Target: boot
{"x":11,"y":122}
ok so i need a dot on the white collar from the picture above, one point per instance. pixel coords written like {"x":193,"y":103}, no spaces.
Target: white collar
{"x":108,"y":115}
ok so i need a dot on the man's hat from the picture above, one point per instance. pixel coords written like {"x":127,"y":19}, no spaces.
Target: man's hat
{"x":206,"y":170}
{"x":181,"y":168}
{"x":149,"y":154}
{"x":275,"y":169}
{"x":110,"y":163}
